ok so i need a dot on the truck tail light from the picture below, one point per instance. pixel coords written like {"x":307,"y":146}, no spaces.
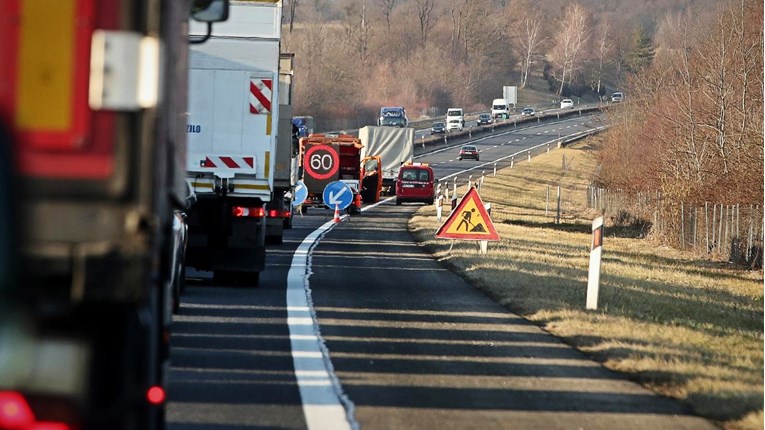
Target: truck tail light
{"x":276,"y":213}
{"x":15,"y":414}
{"x":245,"y":212}
{"x":156,"y":395}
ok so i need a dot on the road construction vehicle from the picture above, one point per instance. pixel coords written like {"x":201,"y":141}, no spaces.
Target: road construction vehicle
{"x":325,"y":159}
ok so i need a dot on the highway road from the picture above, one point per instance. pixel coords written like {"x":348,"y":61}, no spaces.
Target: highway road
{"x":355,"y":326}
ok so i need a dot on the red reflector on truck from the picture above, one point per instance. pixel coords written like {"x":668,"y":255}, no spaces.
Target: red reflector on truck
{"x":46,"y":63}
{"x":240,"y":212}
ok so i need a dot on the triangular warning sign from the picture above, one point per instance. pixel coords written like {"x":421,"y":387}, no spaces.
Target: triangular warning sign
{"x":469,"y":220}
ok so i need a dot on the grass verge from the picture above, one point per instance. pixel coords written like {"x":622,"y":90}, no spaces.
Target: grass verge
{"x":674,"y":322}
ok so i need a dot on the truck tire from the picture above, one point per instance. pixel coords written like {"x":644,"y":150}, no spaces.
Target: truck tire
{"x":398,"y":202}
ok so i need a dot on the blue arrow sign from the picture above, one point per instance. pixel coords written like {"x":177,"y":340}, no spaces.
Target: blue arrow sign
{"x":301,"y":193}
{"x":337,"y":194}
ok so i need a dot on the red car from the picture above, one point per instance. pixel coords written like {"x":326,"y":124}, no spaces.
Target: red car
{"x":415,"y":184}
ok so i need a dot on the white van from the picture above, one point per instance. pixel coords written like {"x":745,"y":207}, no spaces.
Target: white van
{"x":455,"y":114}
{"x":500,"y":108}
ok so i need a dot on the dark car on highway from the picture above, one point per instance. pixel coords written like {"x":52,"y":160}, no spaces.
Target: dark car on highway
{"x":468,"y":151}
{"x":438,"y":128}
{"x":484,"y":119}
{"x":528,"y":111}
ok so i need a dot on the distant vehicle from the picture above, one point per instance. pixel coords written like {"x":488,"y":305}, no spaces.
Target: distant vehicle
{"x":393,"y":116}
{"x":469,"y":151}
{"x":438,"y":128}
{"x":455,"y":113}
{"x":454,"y":124}
{"x":566,"y":104}
{"x":528,"y":111}
{"x":500,"y":108}
{"x":484,"y":119}
{"x":617,"y":97}
{"x":304,"y":125}
{"x":415,"y":184}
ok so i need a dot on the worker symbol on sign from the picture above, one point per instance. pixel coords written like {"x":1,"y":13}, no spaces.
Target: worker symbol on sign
{"x":470,"y":220}
{"x":469,"y":225}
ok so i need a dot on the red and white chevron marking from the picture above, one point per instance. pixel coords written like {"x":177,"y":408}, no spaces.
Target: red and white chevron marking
{"x":229,"y":162}
{"x":260,"y":96}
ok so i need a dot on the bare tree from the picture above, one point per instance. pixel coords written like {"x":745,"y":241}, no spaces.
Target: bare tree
{"x":530,"y":42}
{"x":603,"y":53}
{"x":358,"y":31}
{"x":570,"y":43}
{"x":293,"y":4}
{"x":424,"y":9}
{"x":386,"y":7}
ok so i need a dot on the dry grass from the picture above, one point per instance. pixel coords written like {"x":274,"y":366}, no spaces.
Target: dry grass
{"x":681,"y":325}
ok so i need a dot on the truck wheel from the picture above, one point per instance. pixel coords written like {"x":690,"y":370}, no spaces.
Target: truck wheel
{"x":303,"y":209}
{"x":398,"y":202}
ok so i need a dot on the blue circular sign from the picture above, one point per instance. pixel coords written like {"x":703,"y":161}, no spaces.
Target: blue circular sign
{"x":337,"y":194}
{"x":301,"y":193}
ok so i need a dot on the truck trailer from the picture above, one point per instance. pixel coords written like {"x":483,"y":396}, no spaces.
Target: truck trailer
{"x":394,"y":146}
{"x":94,"y":95}
{"x":233,"y":126}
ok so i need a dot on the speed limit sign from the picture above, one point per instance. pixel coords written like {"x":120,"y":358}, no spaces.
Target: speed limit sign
{"x":321,"y":165}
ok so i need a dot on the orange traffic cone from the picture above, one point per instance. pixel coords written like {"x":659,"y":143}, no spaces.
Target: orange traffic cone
{"x":337,"y":214}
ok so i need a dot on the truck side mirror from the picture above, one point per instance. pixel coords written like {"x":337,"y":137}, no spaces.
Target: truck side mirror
{"x":210,"y":10}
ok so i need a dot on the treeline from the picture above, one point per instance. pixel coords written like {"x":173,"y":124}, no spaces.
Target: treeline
{"x":353,"y":56}
{"x":693,"y":127}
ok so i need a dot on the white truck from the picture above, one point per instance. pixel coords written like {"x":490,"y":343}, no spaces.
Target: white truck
{"x":500,"y":108}
{"x":394,"y":146}
{"x":233,"y":123}
{"x":455,"y":119}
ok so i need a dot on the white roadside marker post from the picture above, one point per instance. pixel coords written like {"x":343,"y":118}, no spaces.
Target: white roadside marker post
{"x":439,"y":206}
{"x":593,"y":281}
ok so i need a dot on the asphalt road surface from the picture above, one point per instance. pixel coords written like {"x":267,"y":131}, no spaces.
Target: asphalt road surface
{"x":355,"y":326}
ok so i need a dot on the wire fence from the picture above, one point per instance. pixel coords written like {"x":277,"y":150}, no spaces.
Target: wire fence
{"x":727,"y":232}
{"x":537,"y":201}
{"x":733,"y":232}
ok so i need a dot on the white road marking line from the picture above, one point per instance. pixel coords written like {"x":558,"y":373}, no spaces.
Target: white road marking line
{"x":325,"y":405}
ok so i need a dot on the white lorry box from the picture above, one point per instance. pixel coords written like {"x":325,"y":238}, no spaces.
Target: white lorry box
{"x":500,"y":108}
{"x":455,"y":113}
{"x":395,"y":146}
{"x":231,"y":125}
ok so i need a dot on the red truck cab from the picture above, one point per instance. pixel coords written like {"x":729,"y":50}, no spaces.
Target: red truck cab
{"x":415,"y":184}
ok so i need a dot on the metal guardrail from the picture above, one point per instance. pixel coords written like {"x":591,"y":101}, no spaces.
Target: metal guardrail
{"x":545,"y":116}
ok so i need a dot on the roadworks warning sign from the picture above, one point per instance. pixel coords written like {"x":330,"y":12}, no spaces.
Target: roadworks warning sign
{"x":469,"y":221}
